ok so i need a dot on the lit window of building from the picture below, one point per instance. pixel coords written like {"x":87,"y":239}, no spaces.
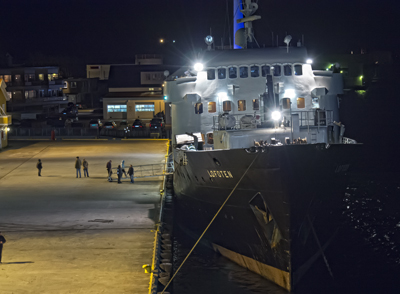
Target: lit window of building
{"x":144,"y":107}
{"x":116,"y":108}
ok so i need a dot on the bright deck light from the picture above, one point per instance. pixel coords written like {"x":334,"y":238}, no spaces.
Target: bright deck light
{"x":222,"y":95}
{"x":309,"y":61}
{"x":198,"y":66}
{"x":276,"y":115}
{"x":290,"y":93}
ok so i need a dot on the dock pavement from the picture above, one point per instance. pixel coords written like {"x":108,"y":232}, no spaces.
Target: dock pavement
{"x":76,"y":235}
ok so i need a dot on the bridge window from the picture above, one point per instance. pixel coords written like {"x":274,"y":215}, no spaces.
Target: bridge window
{"x":226,"y":106}
{"x":211,"y":74}
{"x":232,"y":72}
{"x":277,"y":70}
{"x":241,"y":105}
{"x":287,"y":69}
{"x":255,"y":71}
{"x":265,"y":70}
{"x":222,"y":73}
{"x":298,"y":70}
{"x":256,"y":104}
{"x":212,"y":107}
{"x":244,"y":72}
{"x":198,"y":108}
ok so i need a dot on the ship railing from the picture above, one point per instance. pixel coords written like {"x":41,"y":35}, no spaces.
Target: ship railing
{"x":243,"y":121}
{"x":314,"y":117}
{"x":250,"y":121}
{"x":346,"y":140}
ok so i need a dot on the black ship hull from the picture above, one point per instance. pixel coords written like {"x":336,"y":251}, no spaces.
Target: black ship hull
{"x":281,"y":216}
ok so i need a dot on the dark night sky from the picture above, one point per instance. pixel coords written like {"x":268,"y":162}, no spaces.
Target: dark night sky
{"x":114,"y":31}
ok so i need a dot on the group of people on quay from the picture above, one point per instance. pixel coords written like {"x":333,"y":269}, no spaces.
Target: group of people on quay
{"x":120,"y":171}
{"x":79,"y":164}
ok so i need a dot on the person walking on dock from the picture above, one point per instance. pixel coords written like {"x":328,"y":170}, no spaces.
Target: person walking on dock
{"x":123,"y":168}
{"x":109,"y":168}
{"x":2,"y":241}
{"x":39,"y":167}
{"x":130,"y":173}
{"x":119,"y":173}
{"x":85,"y":165}
{"x":78,"y":165}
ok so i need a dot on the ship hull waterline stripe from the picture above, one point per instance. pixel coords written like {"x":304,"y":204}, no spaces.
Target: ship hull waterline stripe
{"x":279,"y":277}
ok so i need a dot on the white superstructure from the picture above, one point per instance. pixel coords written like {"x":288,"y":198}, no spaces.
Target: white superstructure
{"x":235,"y":93}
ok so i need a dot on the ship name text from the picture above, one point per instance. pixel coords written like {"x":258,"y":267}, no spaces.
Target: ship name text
{"x":220,"y":174}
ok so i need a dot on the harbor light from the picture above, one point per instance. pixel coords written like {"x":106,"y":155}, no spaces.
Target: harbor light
{"x":290,"y":93}
{"x":198,"y":66}
{"x":361,"y":77}
{"x":276,"y":115}
{"x":161,"y":40}
{"x":222,"y":95}
{"x":309,"y":61}
{"x":165,"y":97}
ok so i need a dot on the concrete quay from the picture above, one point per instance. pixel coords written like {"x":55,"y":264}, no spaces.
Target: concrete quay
{"x":77,"y":235}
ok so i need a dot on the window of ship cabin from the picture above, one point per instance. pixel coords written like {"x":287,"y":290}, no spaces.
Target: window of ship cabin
{"x":256,"y":104}
{"x":212,"y":107}
{"x":265,"y":70}
{"x":287,"y":70}
{"x":210,"y":74}
{"x":222,"y":73}
{"x":301,"y":103}
{"x":198,"y":108}
{"x":244,"y":72}
{"x":226,"y":106}
{"x":17,"y":78}
{"x":232,"y":72}
{"x":241,"y":105}
{"x":298,"y":70}
{"x":7,"y":78}
{"x":41,"y":77}
{"x":277,"y":70}
{"x":255,"y":71}
{"x":210,"y":138}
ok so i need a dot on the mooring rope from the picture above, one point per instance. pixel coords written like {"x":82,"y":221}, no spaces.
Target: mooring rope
{"x":223,"y":204}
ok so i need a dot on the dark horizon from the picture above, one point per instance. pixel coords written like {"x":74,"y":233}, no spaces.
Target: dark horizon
{"x":113,"y":32}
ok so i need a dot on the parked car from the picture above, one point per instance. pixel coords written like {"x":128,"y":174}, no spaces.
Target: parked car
{"x":95,"y":124}
{"x":110,"y":125}
{"x":157,"y":124}
{"x":138,"y":125}
{"x":124,"y":126}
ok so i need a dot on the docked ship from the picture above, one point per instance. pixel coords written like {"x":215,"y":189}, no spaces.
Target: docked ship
{"x":261,"y":127}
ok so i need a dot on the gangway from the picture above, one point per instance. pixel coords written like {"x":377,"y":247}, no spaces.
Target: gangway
{"x":146,"y":170}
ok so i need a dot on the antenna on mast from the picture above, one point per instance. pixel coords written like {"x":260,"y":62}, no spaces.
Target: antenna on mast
{"x":244,"y":35}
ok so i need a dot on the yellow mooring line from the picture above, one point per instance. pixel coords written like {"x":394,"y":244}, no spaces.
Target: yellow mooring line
{"x":223,"y":204}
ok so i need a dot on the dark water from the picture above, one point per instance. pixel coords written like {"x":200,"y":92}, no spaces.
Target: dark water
{"x":365,"y":258}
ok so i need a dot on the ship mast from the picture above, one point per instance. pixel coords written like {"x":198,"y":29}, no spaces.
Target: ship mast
{"x":243,"y":27}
